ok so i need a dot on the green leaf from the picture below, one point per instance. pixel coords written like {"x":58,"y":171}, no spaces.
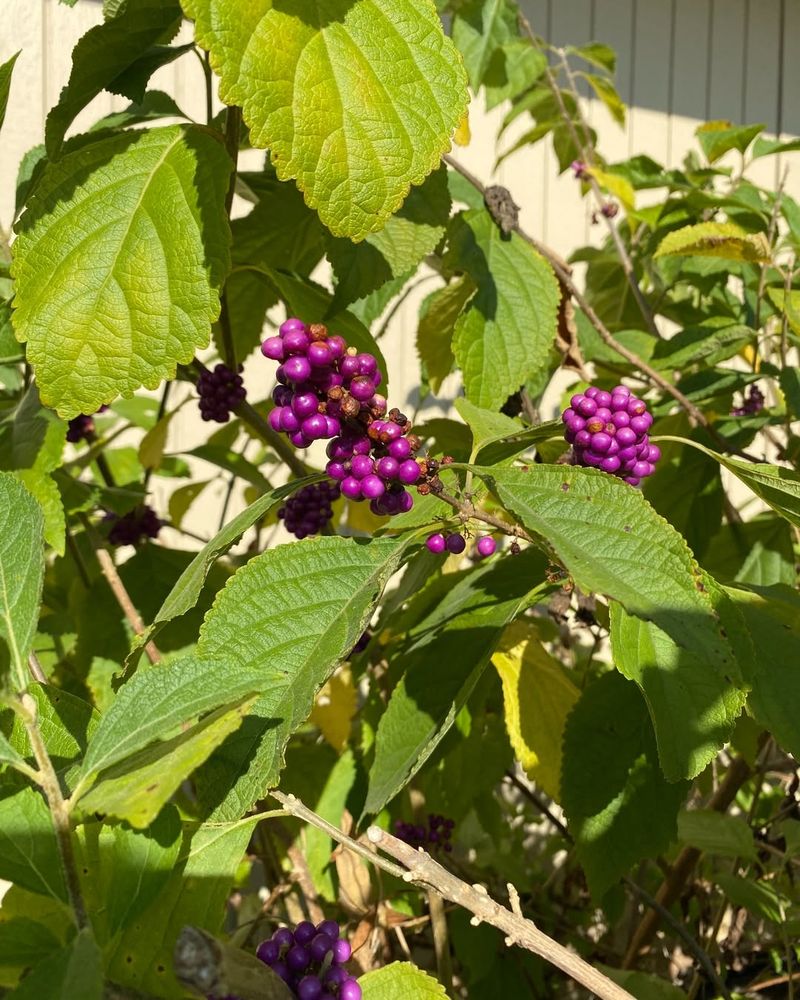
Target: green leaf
{"x":716,"y":833}
{"x":156,"y":703}
{"x":642,"y":985}
{"x":397,"y":249}
{"x":480,"y":27}
{"x":777,"y":486}
{"x":6,"y":69}
{"x":315,"y":304}
{"x":619,"y":806}
{"x":438,"y":316}
{"x":25,"y":942}
{"x":186,"y":592}
{"x":137,"y":787}
{"x":612,"y":542}
{"x":8,"y":755}
{"x":513,"y":69}
{"x":196,"y":893}
{"x":10,"y":351}
{"x":757,"y":552}
{"x":400,"y":981}
{"x":65,"y":723}
{"x":597,"y":54}
{"x":607,"y":93}
{"x":45,"y":489}
{"x":28,"y":849}
{"x":702,"y":344}
{"x":693,"y":706}
{"x":716,"y":239}
{"x":771,"y":618}
{"x":355,"y":115}
{"x":31,"y":436}
{"x":297,"y":609}
{"x":758,"y":897}
{"x":21,"y":573}
{"x":102,"y":54}
{"x":790,"y":387}
{"x":149,"y":258}
{"x":75,"y":971}
{"x":496,"y":437}
{"x":503,"y":337}
{"x":718,"y":137}
{"x":458,"y":635}
{"x":154,"y":104}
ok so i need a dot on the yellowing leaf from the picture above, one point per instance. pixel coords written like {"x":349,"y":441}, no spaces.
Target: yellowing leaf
{"x":463,"y":133}
{"x":613,"y":184}
{"x":716,"y":239}
{"x":334,"y":709}
{"x":538,"y":697}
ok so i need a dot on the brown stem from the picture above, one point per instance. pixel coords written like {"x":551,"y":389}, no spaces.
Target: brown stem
{"x":564,"y":274}
{"x":48,"y":779}
{"x":684,"y":864}
{"x":119,"y":590}
{"x":441,"y":941}
{"x":233,"y":124}
{"x":423,"y":871}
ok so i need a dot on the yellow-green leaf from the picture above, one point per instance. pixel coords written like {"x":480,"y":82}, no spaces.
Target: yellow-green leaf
{"x":538,"y":697}
{"x":716,"y":239}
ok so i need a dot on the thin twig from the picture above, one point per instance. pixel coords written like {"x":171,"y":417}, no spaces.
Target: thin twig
{"x":703,"y":959}
{"x":441,"y":941}
{"x":672,"y":886}
{"x":564,"y":274}
{"x":423,"y":871}
{"x":233,"y":124}
{"x":119,"y":590}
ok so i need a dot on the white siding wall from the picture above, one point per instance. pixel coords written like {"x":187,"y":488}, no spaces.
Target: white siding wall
{"x":679,"y":62}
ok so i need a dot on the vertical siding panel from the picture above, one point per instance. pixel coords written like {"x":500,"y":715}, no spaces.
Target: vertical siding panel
{"x":727,"y":69}
{"x":651,"y":80}
{"x":24,"y":125}
{"x":689,"y":75}
{"x":762,"y":79}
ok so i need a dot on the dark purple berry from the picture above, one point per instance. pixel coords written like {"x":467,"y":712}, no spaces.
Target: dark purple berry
{"x":284,"y":938}
{"x":752,"y":403}
{"x":304,"y":932}
{"x":134,"y":527}
{"x":455,"y":544}
{"x":268,"y":952}
{"x":309,"y":988}
{"x":298,"y":958}
{"x":320,"y":946}
{"x":309,"y":510}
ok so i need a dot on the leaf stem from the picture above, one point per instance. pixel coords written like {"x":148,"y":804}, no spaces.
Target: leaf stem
{"x":48,"y":779}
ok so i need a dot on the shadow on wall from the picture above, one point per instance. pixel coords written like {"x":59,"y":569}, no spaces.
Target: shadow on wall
{"x":703,"y":59}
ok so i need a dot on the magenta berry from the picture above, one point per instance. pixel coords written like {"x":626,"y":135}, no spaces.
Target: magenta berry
{"x":486,"y":546}
{"x":327,"y":390}
{"x":436,"y":543}
{"x":608,"y":431}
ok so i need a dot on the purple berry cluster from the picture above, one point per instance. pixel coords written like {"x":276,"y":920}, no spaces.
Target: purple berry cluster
{"x":309,"y":510}
{"x":220,"y":392}
{"x":132,"y":528}
{"x":311,"y":960}
{"x":433,"y":837}
{"x":328,"y":390}
{"x":608,"y":430}
{"x":752,"y":403}
{"x":81,"y":428}
{"x":455,"y":544}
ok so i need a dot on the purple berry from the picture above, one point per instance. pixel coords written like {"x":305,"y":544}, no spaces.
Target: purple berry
{"x":298,"y":958}
{"x":297,"y":369}
{"x":329,"y":927}
{"x":284,"y":938}
{"x":387,"y":467}
{"x":315,"y":426}
{"x":335,"y":976}
{"x":408,"y":473}
{"x":309,"y":510}
{"x":304,"y":932}
{"x":486,"y":546}
{"x":309,"y":988}
{"x":350,"y":990}
{"x":273,"y":348}
{"x":320,"y":947}
{"x":341,"y":951}
{"x":291,"y":325}
{"x":372,"y":487}
{"x":361,"y":466}
{"x":268,"y":952}
{"x":281,"y":969}
{"x":399,"y":449}
{"x":436,"y":543}
{"x":351,"y":488}
{"x":455,"y":544}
